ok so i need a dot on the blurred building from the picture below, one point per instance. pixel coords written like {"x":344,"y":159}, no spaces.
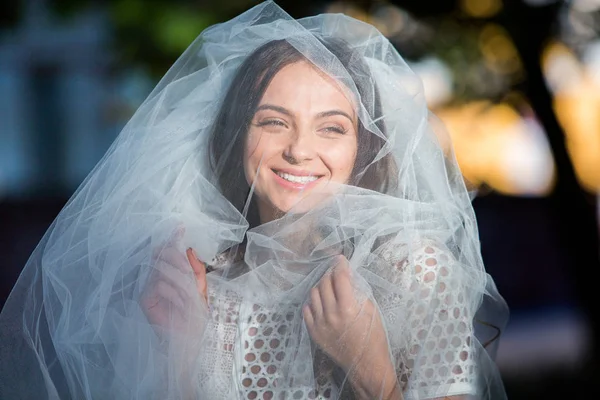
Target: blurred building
{"x":53,"y":88}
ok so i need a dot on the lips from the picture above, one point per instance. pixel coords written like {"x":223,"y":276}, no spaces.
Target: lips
{"x":296,"y":179}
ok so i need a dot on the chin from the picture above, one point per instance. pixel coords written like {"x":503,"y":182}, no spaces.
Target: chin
{"x":303,"y":204}
{"x":288,"y":205}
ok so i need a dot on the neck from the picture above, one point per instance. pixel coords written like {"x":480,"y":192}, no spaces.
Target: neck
{"x":268,"y":212}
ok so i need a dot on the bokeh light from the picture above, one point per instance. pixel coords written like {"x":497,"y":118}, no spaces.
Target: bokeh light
{"x":577,"y":106}
{"x":481,"y":8}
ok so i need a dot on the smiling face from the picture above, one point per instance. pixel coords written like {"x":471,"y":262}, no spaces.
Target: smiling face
{"x":302,"y":137}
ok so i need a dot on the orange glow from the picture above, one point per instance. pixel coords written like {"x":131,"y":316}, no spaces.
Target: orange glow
{"x":578,"y":112}
{"x":492,"y":147}
{"x":481,"y":8}
{"x":577,"y":107}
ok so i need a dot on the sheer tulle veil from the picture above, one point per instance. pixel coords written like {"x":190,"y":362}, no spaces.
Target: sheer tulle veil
{"x":176,"y":177}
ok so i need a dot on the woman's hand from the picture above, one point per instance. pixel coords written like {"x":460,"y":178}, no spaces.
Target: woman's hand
{"x":351,"y":333}
{"x":168,"y":299}
{"x":169,"y":302}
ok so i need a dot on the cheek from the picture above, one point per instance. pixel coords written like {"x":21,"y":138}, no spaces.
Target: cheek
{"x":250,"y":150}
{"x":341,"y":161}
{"x":255,"y":152}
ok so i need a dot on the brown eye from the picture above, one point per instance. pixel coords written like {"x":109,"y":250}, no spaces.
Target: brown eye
{"x":335,"y":129}
{"x":272,"y":122}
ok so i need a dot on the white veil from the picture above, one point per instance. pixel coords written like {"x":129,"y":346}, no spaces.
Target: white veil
{"x":75,"y":326}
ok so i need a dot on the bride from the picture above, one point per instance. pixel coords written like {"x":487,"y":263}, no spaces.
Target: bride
{"x":278,"y":220}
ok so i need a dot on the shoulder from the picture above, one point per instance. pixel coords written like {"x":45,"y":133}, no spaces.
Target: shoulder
{"x":426,"y":253}
{"x":431,"y":261}
{"x":421,"y":261}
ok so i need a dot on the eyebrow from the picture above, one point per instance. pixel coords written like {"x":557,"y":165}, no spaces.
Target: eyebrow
{"x":287,"y":112}
{"x":274,"y":108}
{"x":330,"y":113}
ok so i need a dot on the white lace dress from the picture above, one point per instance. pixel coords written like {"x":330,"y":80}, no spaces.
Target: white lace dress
{"x":252,"y":345}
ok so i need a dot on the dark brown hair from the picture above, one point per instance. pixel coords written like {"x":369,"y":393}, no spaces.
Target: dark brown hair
{"x":226,"y":145}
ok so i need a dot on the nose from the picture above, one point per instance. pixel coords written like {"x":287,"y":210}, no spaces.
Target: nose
{"x":300,"y":148}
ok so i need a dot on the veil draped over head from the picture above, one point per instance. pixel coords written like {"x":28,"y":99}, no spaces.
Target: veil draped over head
{"x":194,"y":168}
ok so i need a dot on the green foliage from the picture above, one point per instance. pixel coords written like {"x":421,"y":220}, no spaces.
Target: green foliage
{"x":153,"y":33}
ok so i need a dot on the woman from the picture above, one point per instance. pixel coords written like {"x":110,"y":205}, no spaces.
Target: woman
{"x":297,"y":156}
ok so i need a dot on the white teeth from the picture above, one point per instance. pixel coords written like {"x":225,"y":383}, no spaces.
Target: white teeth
{"x":297,"y":179}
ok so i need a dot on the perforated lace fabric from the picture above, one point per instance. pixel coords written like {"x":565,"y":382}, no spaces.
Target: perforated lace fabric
{"x":439,"y":319}
{"x":254,"y":343}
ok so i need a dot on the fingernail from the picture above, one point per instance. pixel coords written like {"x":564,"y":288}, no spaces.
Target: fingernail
{"x":194,"y":254}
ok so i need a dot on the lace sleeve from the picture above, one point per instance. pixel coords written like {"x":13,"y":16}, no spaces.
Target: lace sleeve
{"x":429,"y":319}
{"x":217,"y":361}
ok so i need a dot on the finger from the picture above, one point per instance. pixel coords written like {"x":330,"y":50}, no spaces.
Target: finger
{"x":199,"y":269}
{"x":169,"y":293}
{"x":308,"y":318}
{"x":315,"y":303}
{"x":172,"y":241}
{"x":171,"y":260}
{"x":327,"y":295}
{"x":181,"y":263}
{"x":168,"y":273}
{"x":342,"y":282}
{"x":172,"y":256}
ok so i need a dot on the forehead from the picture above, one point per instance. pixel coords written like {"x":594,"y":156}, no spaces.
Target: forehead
{"x":304,"y":86}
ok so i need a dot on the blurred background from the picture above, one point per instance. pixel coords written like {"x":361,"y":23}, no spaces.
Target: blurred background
{"x":516,"y":82}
